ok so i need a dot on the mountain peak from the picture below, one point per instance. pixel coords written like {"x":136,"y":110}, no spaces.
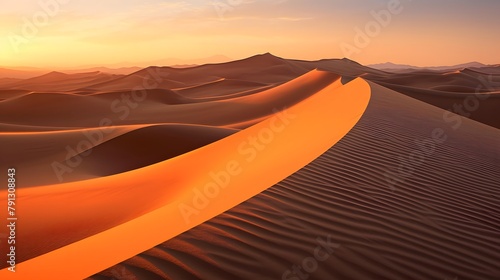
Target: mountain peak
{"x":268,"y":55}
{"x":345,"y":59}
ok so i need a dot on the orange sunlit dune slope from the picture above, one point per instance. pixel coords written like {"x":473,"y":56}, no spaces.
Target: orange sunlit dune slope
{"x":185,"y":191}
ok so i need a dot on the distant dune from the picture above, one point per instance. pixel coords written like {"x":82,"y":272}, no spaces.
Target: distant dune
{"x":444,"y":87}
{"x":393,"y":66}
{"x":104,"y":159}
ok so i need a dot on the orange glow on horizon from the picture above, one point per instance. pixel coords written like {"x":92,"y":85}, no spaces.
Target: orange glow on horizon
{"x":67,"y":34}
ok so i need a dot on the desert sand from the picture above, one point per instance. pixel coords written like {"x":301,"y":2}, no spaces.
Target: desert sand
{"x":105,"y":160}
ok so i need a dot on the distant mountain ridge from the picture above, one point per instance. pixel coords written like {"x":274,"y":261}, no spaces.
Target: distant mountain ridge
{"x":394,"y":66}
{"x":345,"y":66}
{"x":442,"y":88}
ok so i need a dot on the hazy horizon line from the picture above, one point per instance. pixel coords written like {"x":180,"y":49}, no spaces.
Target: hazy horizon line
{"x":203,"y":61}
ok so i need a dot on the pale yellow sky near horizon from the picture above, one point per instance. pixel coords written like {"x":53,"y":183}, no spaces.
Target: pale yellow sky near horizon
{"x":73,"y":33}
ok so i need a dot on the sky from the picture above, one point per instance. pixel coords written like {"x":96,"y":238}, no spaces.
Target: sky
{"x":72,"y":33}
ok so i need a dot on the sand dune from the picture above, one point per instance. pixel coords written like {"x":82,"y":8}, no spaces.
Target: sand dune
{"x":395,"y":203}
{"x":485,"y":110}
{"x":124,"y":191}
{"x":100,"y":152}
{"x":57,"y":81}
{"x":49,"y":142}
{"x":470,"y":93}
{"x":133,"y":80}
{"x":251,"y":75}
{"x":440,"y":222}
{"x":221,"y":89}
{"x":45,"y":108}
{"x":12,"y":93}
{"x":146,"y":146}
{"x":53,"y":140}
{"x":261,"y":69}
{"x":7,"y":81}
{"x":163,"y":96}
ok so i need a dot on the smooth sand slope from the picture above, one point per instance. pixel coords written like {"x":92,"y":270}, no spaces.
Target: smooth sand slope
{"x":69,"y":137}
{"x":129,"y":148}
{"x":243,"y":77}
{"x":441,"y":221}
{"x":137,"y":202}
{"x":45,"y":109}
{"x":472,"y":93}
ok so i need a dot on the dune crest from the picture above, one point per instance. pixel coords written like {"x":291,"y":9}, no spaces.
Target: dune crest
{"x":238,"y":169}
{"x":438,"y":220}
{"x":156,"y":201}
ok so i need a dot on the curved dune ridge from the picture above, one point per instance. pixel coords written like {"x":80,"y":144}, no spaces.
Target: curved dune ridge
{"x":65,"y":139}
{"x":45,"y":108}
{"x":137,"y":202}
{"x":449,"y":91}
{"x":215,"y":82}
{"x":148,"y":145}
{"x":110,"y":166}
{"x":438,"y":221}
{"x":92,"y":153}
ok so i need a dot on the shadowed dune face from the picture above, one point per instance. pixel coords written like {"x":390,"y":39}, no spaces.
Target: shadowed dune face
{"x":410,"y":192}
{"x":440,"y":219}
{"x":92,"y":153}
{"x":471,"y":93}
{"x":218,"y":82}
{"x":148,"y":106}
{"x":146,"y":146}
{"x":104,"y":125}
{"x":136,"y":198}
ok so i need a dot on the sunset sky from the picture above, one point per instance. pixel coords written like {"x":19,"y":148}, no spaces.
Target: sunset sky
{"x":137,"y":32}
